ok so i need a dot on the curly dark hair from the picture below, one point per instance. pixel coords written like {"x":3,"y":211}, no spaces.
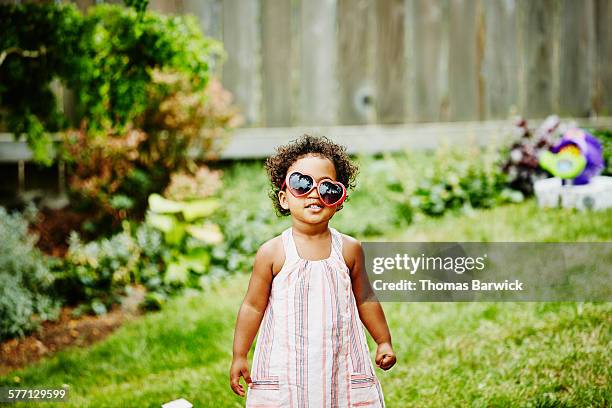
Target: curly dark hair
{"x":278,"y":164}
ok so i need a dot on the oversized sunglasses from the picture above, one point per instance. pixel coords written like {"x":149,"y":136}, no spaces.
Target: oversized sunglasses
{"x":331,"y":192}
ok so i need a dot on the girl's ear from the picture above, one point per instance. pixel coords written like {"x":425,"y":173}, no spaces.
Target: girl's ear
{"x":282,"y":199}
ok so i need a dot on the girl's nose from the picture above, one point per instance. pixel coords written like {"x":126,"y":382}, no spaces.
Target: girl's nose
{"x":314,"y":193}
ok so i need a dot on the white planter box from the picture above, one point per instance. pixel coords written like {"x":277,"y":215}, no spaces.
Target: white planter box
{"x":597,"y":195}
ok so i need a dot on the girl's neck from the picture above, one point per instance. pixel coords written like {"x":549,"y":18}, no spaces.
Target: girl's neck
{"x":310,"y":230}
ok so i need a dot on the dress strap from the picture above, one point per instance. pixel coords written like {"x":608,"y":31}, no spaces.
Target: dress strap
{"x":289,"y":246}
{"x":336,"y":243}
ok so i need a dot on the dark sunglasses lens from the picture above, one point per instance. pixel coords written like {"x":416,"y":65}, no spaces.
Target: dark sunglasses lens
{"x":300,"y":183}
{"x":330,"y":193}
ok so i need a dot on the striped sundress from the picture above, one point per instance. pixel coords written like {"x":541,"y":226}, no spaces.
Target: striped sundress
{"x":311,"y":349}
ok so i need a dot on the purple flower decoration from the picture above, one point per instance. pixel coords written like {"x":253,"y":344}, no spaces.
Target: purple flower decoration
{"x":589,"y":147}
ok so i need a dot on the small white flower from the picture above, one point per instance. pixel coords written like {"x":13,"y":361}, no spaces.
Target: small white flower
{"x":516,"y":156}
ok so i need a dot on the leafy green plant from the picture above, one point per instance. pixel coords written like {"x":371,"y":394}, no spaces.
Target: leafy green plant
{"x":185,"y":230}
{"x":182,"y":121}
{"x":115,"y":173}
{"x":104,"y":174}
{"x":123,"y":49}
{"x":107,"y":57}
{"x":169,"y":252}
{"x":451,"y":179}
{"x":139,"y":5}
{"x":97,"y":272}
{"x":186,"y":186}
{"x":38,"y":44}
{"x":26,"y":283}
{"x":96,"y":275}
{"x":605,"y":137}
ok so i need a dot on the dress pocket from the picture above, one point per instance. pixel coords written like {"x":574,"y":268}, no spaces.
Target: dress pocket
{"x":263,"y":393}
{"x":364,"y":391}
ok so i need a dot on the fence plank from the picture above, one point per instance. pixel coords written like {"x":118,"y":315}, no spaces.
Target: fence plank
{"x":209,"y":14}
{"x":536,"y":51}
{"x":501,"y":58}
{"x":318,"y":85}
{"x":463,"y":75}
{"x":391,"y":68}
{"x":296,"y":59}
{"x":276,"y":54}
{"x":577,"y":57}
{"x":355,"y":105}
{"x":603,"y":98}
{"x":241,"y":38}
{"x":165,"y":6}
{"x":428,"y":22}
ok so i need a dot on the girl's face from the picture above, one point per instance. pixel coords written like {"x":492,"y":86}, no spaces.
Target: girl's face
{"x":309,"y":208}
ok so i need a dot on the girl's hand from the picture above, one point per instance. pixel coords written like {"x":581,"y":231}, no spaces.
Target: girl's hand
{"x":385,"y":357}
{"x":239,"y":369}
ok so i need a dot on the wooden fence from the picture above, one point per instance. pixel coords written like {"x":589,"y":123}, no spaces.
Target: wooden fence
{"x":352,"y":62}
{"x":349,"y":62}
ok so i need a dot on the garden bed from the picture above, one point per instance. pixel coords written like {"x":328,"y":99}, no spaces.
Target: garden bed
{"x":67,"y":331}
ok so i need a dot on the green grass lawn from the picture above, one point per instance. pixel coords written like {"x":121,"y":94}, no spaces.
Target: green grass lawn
{"x":511,"y":223}
{"x":449,"y":354}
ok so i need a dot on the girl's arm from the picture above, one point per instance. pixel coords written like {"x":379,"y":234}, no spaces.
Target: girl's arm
{"x":370,"y":310}
{"x":250,"y":315}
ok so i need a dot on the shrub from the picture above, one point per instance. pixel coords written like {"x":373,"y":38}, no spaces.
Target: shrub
{"x":115,"y":174}
{"x":182,"y":121}
{"x":122,"y":49}
{"x":186,"y":226}
{"x":38,"y":44}
{"x":105,"y":175}
{"x":185,"y":186}
{"x":26,"y":284}
{"x":605,"y":137}
{"x":172,"y":250}
{"x":107,"y":57}
{"x":95,"y":275}
{"x":450,"y":179}
{"x":145,"y":103}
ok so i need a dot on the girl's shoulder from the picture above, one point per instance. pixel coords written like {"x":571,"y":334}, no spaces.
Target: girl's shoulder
{"x":272,"y":252}
{"x":351,"y":248}
{"x":348,"y":240}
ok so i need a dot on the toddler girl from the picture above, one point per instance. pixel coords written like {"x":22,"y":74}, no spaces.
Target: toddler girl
{"x":309,"y":294}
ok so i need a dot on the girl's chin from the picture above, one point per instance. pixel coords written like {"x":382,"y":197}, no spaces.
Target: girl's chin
{"x":314,"y":216}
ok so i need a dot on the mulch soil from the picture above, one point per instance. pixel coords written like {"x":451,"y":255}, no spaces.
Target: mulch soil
{"x":53,"y":227}
{"x":66,"y":331}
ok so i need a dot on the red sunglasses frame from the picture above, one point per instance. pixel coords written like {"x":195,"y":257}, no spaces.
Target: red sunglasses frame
{"x":316,"y":185}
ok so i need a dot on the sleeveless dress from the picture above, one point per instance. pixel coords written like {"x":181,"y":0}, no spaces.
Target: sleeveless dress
{"x":311,"y":350}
